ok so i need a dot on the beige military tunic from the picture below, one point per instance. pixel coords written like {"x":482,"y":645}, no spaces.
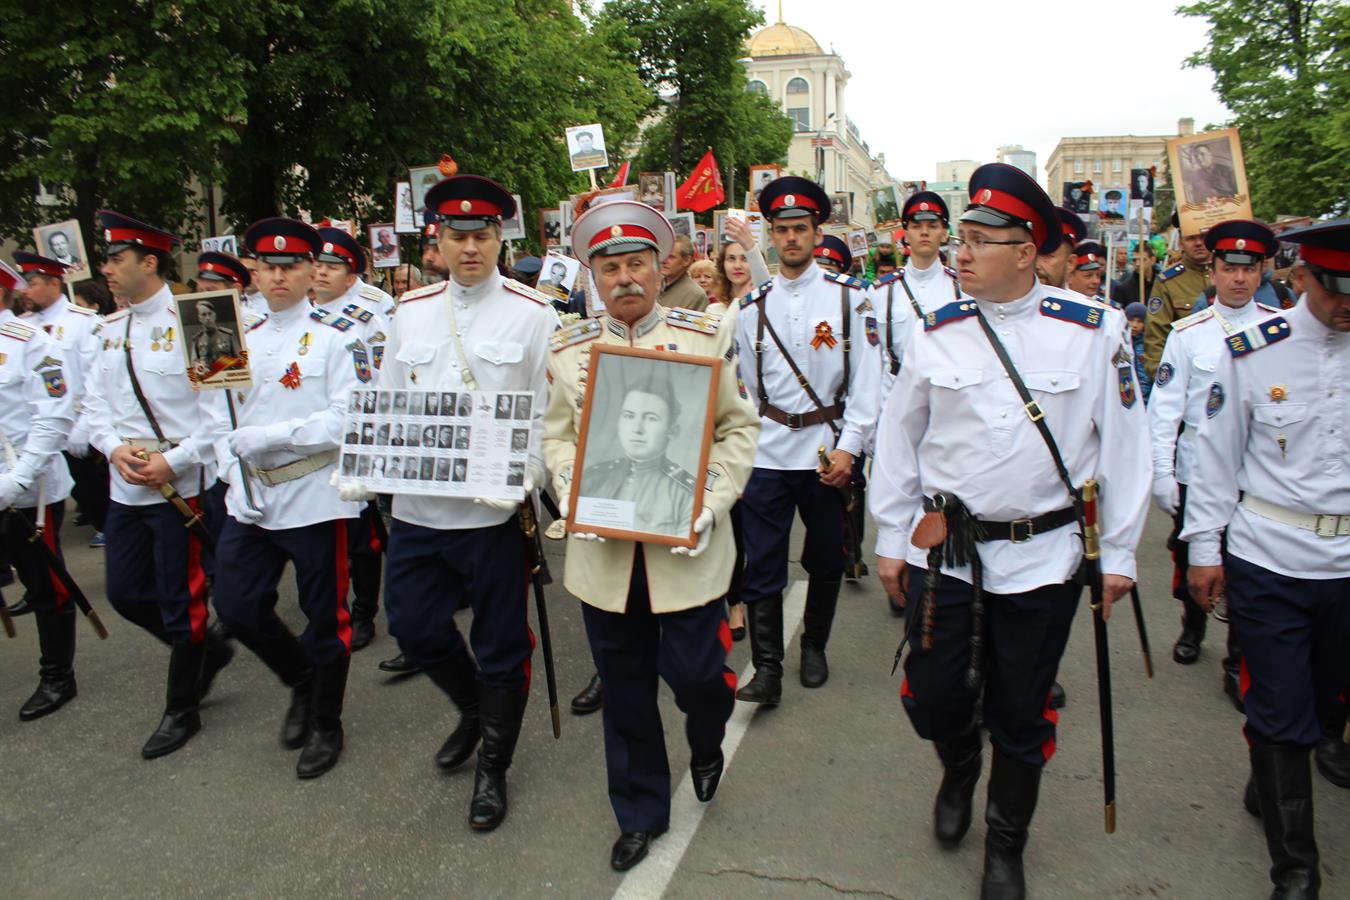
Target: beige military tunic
{"x":684,"y":293}
{"x":1174,"y":294}
{"x":599,"y":573}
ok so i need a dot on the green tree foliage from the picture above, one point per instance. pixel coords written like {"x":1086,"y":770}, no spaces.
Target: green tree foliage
{"x":688,"y":55}
{"x":1284,"y":70}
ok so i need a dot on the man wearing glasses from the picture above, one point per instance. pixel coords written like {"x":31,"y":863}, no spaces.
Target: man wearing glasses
{"x":955,"y":427}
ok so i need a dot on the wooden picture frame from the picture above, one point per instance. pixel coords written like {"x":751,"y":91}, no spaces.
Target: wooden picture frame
{"x":551,"y":216}
{"x":642,"y":450}
{"x":64,"y":241}
{"x":215,"y":352}
{"x":759,"y":177}
{"x":1209,"y":178}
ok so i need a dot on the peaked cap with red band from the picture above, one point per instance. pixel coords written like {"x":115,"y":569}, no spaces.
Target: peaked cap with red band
{"x":469,"y":202}
{"x":1071,"y":225}
{"x":9,"y":279}
{"x":793,"y":196}
{"x":214,"y":266}
{"x":340,"y":247}
{"x":29,"y":263}
{"x":624,"y":226}
{"x":832,"y":249}
{"x":1003,"y":196}
{"x":122,"y":232}
{"x":1325,"y":248}
{"x":1090,"y":254}
{"x":1241,"y":242}
{"x":924,"y":206}
{"x":280,"y":241}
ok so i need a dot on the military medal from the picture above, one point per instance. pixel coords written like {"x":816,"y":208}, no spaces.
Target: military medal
{"x":291,"y":377}
{"x":155,"y":334}
{"x":1284,"y":444}
{"x":305,"y":341}
{"x":168,"y":339}
{"x":824,"y":335}
{"x":1279,"y":393}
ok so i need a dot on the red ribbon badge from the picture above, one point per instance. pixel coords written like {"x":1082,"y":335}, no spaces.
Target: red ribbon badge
{"x":291,"y":377}
{"x":824,"y":335}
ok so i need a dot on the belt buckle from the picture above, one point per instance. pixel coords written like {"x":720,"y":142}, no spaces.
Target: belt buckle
{"x":1026,"y":532}
{"x":794,"y":421}
{"x":1328,"y":526}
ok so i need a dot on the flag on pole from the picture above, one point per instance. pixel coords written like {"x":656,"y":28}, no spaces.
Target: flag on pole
{"x":622,"y":178}
{"x":703,"y":189}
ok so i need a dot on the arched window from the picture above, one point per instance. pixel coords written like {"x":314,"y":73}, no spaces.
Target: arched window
{"x":798,"y":86}
{"x":798,"y":105}
{"x":757,"y":87}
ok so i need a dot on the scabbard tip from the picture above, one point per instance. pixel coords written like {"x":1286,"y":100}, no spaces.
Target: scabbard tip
{"x":557,"y":722}
{"x":1111,"y":818}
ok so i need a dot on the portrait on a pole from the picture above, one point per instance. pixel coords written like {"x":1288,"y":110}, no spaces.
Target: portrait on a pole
{"x":211,"y":340}
{"x":586,"y":147}
{"x":1209,"y":179}
{"x":1141,"y":186}
{"x":64,"y":242}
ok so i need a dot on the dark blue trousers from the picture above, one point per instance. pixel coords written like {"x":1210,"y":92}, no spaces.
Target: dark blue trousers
{"x":431,"y":574}
{"x":770,"y":498}
{"x":252,"y":561}
{"x":631,"y":649}
{"x":155,"y":574}
{"x":1025,"y":636}
{"x":45,"y":593}
{"x":1295,"y":636}
{"x":213,"y":517}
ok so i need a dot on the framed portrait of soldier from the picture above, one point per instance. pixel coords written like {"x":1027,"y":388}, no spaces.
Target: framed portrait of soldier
{"x":211,"y":340}
{"x":586,"y":147}
{"x":550,"y":227}
{"x":513,"y":229}
{"x":682,"y":223}
{"x":760,"y":176}
{"x":405,"y":215}
{"x":558,"y":275}
{"x":885,"y":206}
{"x":1141,"y":186}
{"x":1077,"y":196}
{"x":1209,"y":179}
{"x":1113,"y":204}
{"x":225,"y":243}
{"x":422,"y":179}
{"x":383,"y":243}
{"x":652,"y":189}
{"x":642,"y":452}
{"x":64,"y":242}
{"x":839,"y":210}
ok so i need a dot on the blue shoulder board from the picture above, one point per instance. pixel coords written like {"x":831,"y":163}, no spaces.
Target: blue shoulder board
{"x":256,"y":325}
{"x":856,"y":283}
{"x":952,"y":273}
{"x":959,"y":309}
{"x":757,"y":294}
{"x":319,"y":315}
{"x":1087,"y":315}
{"x":1260,"y":335}
{"x":1172,"y":272}
{"x":888,"y":279}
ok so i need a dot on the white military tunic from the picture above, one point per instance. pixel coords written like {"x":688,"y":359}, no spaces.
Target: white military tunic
{"x":71,"y":328}
{"x":933,"y":288}
{"x":36,"y":411}
{"x":365,"y":320}
{"x":1275,"y":429}
{"x":955,"y":423}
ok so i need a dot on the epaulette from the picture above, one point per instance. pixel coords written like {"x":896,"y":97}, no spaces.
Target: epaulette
{"x":1172,"y":272}
{"x":341,"y":323}
{"x":18,"y":331}
{"x":423,"y":292}
{"x":255,"y":325}
{"x":525,"y":290}
{"x":957,"y":309}
{"x":952,"y":273}
{"x":31,"y":314}
{"x":893,"y":277}
{"x":1267,"y":308}
{"x":681,"y":477}
{"x":839,"y":278}
{"x":371,"y":292}
{"x":357,"y":312}
{"x":577,"y":333}
{"x":1087,"y":315}
{"x":1262,"y":334}
{"x":757,"y":294}
{"x":693,"y":320}
{"x":1203,"y":315}
{"x":82,"y":311}
{"x":117,"y":316}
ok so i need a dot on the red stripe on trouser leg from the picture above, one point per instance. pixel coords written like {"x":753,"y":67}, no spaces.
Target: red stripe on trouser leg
{"x":49,"y":538}
{"x":904,"y":689}
{"x":1244,"y":678}
{"x":344,"y":614}
{"x":1051,"y":716}
{"x":1176,"y":573}
{"x":529,"y":661}
{"x":730,"y":678}
{"x":724,"y":635}
{"x":197,"y":611}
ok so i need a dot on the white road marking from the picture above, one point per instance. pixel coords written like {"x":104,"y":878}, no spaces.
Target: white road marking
{"x":651,"y":877}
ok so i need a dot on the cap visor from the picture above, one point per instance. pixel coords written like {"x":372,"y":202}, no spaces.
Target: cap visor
{"x":983,"y":215}
{"x":467,"y":224}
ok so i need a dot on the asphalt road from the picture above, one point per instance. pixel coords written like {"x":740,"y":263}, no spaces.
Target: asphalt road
{"x":830,"y":794}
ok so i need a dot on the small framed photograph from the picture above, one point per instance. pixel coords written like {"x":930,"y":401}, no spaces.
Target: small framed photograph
{"x":1077,"y":196}
{"x":550,"y":227}
{"x":513,"y":229}
{"x":703,"y":239}
{"x":1141,"y":186}
{"x":225,"y":243}
{"x":682,"y":223}
{"x":64,"y":242}
{"x":652,"y":189}
{"x":1113,"y":203}
{"x":383,"y":243}
{"x":422,"y":179}
{"x":886,"y":206}
{"x":558,"y":275}
{"x":569,"y":215}
{"x":760,"y":176}
{"x":610,"y":194}
{"x":586,"y":146}
{"x":646,"y":428}
{"x":1210,"y":179}
{"x":839,"y":210}
{"x":212,"y":340}
{"x":857,"y":243}
{"x":405,"y":214}
{"x":910,"y":188}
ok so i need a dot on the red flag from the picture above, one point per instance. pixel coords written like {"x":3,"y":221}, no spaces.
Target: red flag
{"x":622,"y":178}
{"x":703,"y":190}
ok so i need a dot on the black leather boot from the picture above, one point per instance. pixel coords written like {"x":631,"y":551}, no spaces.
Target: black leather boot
{"x":324,"y":744}
{"x":365,"y":574}
{"x":459,"y":680}
{"x":501,"y":713}
{"x":766,"y":650}
{"x":1283,"y":778}
{"x":591,"y":698}
{"x":219,"y":654}
{"x":181,"y":720}
{"x":962,"y":759}
{"x":281,"y":652}
{"x":1232,"y":671}
{"x":822,"y":598}
{"x":1333,"y":760}
{"x":1013,"y":789}
{"x":56,"y":672}
{"x":1193,"y":622}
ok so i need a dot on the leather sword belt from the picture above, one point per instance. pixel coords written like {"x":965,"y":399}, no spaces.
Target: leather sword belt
{"x":1322,"y":525}
{"x":1019,"y":531}
{"x":794,"y":421}
{"x":293,"y":470}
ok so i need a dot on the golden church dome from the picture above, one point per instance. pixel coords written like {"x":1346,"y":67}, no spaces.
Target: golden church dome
{"x":781,"y":39}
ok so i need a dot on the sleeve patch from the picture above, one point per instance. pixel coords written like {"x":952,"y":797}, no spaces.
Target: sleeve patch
{"x":1214,"y":402}
{"x":1164,"y":376}
{"x":1127,"y":393}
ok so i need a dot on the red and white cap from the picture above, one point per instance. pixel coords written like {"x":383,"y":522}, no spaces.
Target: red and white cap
{"x":623,"y":226}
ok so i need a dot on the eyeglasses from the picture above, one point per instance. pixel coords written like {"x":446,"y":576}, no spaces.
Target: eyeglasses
{"x":978,"y":243}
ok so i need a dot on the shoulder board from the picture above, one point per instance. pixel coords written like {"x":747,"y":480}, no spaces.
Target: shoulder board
{"x":1089,"y":315}
{"x":319,"y":315}
{"x":576,"y":333}
{"x":957,"y":309}
{"x":255,"y":325}
{"x":1268,"y":308}
{"x":81,"y":311}
{"x":893,"y":277}
{"x":952,"y":273}
{"x":757,"y":294}
{"x":856,"y":283}
{"x":528,"y":292}
{"x":357,"y":312}
{"x":371,"y":292}
{"x":18,"y":331}
{"x":680,"y":476}
{"x":423,"y":292}
{"x":1203,"y":315}
{"x":341,"y":323}
{"x":114,"y":317}
{"x":1262,"y":334}
{"x":693,"y":320}
{"x":1172,"y":272}
{"x":28,"y":315}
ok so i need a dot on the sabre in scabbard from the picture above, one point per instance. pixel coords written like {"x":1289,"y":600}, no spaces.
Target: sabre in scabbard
{"x":1093,"y":571}
{"x":534,"y":550}
{"x":846,"y":495}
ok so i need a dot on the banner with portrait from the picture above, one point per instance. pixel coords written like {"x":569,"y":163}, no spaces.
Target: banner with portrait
{"x":1209,"y":179}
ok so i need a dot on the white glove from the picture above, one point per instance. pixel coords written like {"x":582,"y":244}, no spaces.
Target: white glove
{"x":251,"y":515}
{"x":588,"y":536}
{"x":77,"y":443}
{"x":703,"y":527}
{"x":355,"y":491}
{"x":250,"y":442}
{"x":508,"y":505}
{"x":10,"y":490}
{"x":1167,"y":494}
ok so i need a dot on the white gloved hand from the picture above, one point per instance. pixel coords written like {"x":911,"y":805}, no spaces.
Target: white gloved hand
{"x":250,"y":442}
{"x":354,"y":491}
{"x":251,"y":515}
{"x":1167,"y":494}
{"x":77,"y":442}
{"x":10,"y":490}
{"x":508,"y":505}
{"x":703,"y":527}
{"x":588,"y":536}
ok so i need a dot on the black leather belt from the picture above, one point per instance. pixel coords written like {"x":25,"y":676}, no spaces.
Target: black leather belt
{"x":1019,"y":531}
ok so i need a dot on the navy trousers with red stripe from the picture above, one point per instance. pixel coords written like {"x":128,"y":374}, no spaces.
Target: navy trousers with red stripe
{"x":770,"y":498}
{"x":252,"y":561}
{"x":631,"y":649}
{"x":431,"y":574}
{"x":1024,"y":638}
{"x":155,"y":575}
{"x":45,"y":593}
{"x":1294,"y":634}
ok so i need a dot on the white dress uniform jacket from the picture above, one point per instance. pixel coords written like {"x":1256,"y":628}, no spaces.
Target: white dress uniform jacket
{"x":797,"y":308}
{"x":503,"y":327}
{"x":1275,"y":429}
{"x":933,"y":288}
{"x":1181,"y":382}
{"x":955,"y":423}
{"x":36,"y":411}
{"x":358,"y":316}
{"x":71,"y":328}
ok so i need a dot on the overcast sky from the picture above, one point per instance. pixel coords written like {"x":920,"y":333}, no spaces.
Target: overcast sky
{"x":1027,"y":72}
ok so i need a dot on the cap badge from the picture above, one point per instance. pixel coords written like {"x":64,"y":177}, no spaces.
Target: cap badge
{"x":107,"y":234}
{"x":1092,"y":257}
{"x":616,"y":231}
{"x":984,"y":196}
{"x":279,"y":242}
{"x":923,"y":207}
{"x":465,"y":206}
{"x":790,"y":200}
{"x":328,"y":247}
{"x":1279,"y":393}
{"x":1240,"y":244}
